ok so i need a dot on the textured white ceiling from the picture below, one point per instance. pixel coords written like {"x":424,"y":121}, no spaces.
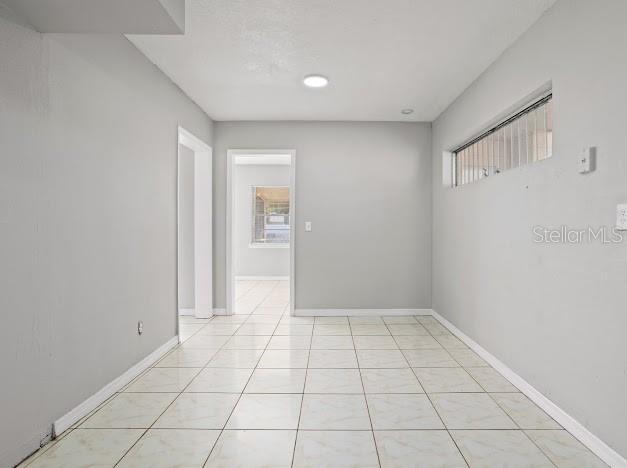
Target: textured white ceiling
{"x":245,"y":59}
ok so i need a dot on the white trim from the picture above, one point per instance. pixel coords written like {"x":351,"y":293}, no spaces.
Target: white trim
{"x":66,"y":421}
{"x":260,"y":245}
{"x":262,"y":278}
{"x":219,"y":311}
{"x":358,"y":312}
{"x":186,"y":312}
{"x":203,"y":223}
{"x":263,"y":160}
{"x":600,"y":448}
{"x":231,"y":155}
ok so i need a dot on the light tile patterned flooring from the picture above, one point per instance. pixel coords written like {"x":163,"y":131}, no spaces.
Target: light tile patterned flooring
{"x":263,"y":389}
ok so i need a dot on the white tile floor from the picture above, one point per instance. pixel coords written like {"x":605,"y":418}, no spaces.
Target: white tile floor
{"x":263,"y":389}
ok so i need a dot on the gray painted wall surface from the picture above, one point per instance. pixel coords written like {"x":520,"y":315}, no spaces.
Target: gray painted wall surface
{"x":366,"y":187}
{"x":88,"y":143}
{"x":186,"y":278}
{"x":555,"y":314}
{"x":256,"y":261}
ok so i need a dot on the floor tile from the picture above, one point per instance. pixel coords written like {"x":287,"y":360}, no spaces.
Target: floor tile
{"x":399,"y":319}
{"x":467,"y":358}
{"x":408,"y":329}
{"x":369,"y":329}
{"x":491,"y":380}
{"x":290,"y":342}
{"x":170,"y":448}
{"x":284,"y":359}
{"x":226,"y":329}
{"x":429,"y":449}
{"x":205,"y":342}
{"x":266,"y":411}
{"x":427,"y":319}
{"x":470,"y":411}
{"x":333,"y":381}
{"x":436,"y":328}
{"x":402,"y":411}
{"x":220,"y":380}
{"x":417,"y":342}
{"x":331,"y":358}
{"x":332,"y":342}
{"x":88,"y":448}
{"x":256,"y":329}
{"x":374,"y":342}
{"x":564,"y":450}
{"x":381,"y":358}
{"x":130,"y":411}
{"x":198,"y":411}
{"x":247,"y":342}
{"x":276,"y":381}
{"x":187,"y":357}
{"x":253,"y":449}
{"x":269,"y":310}
{"x":331,"y":329}
{"x":524,"y":412}
{"x":390,"y":381}
{"x":337,"y":412}
{"x":163,"y":379}
{"x":446,"y":379}
{"x":365,"y":320}
{"x":246,"y":358}
{"x":265,"y":320}
{"x":429,"y":358}
{"x":488,"y":449}
{"x":450,"y":342}
{"x":297,"y":320}
{"x":335,"y":449}
{"x":294,"y":329}
{"x":331,"y":320}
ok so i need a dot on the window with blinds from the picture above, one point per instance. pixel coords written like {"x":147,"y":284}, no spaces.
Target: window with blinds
{"x":271,"y":215}
{"x":524,"y":138}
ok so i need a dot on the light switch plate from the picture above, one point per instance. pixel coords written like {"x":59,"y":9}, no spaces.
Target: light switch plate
{"x":621,"y":217}
{"x":587,"y":160}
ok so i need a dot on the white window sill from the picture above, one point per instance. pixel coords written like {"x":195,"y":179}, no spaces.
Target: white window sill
{"x":269,"y":246}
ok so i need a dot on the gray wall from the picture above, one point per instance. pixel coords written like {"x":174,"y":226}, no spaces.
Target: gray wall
{"x":87,"y":220}
{"x":555,"y":314}
{"x":256,"y":261}
{"x":186,"y":279}
{"x":366,"y":186}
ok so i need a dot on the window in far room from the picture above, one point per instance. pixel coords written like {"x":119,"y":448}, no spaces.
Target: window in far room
{"x":270,"y":216}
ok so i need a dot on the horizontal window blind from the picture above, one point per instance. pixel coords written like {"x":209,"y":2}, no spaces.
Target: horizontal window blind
{"x":524,"y":138}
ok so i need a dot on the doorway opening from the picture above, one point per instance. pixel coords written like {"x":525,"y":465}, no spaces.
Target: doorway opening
{"x":194,"y":233}
{"x":260,"y":232}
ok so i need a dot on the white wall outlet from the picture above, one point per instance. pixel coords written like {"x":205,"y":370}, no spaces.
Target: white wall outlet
{"x":587,"y":160}
{"x":621,"y":217}
{"x":308,"y":226}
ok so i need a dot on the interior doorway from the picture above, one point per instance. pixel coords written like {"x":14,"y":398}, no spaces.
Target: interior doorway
{"x":194,"y":229}
{"x":260,"y":232}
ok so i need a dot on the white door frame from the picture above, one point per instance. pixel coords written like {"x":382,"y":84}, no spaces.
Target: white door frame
{"x":203,"y":227}
{"x":230,"y":219}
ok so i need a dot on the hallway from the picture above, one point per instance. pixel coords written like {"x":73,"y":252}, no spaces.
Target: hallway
{"x":262,"y":388}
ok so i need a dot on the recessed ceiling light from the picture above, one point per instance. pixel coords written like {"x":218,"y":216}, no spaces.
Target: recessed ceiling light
{"x":407,"y":111}
{"x":316,"y":81}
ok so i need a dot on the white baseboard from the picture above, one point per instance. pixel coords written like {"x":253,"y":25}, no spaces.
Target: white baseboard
{"x":66,"y":421}
{"x":262,"y":278}
{"x":600,"y":448}
{"x":219,"y":311}
{"x":358,"y":312}
{"x":194,"y":313}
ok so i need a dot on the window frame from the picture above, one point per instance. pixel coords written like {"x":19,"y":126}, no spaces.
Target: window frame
{"x":268,"y":245}
{"x":461,"y":178}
